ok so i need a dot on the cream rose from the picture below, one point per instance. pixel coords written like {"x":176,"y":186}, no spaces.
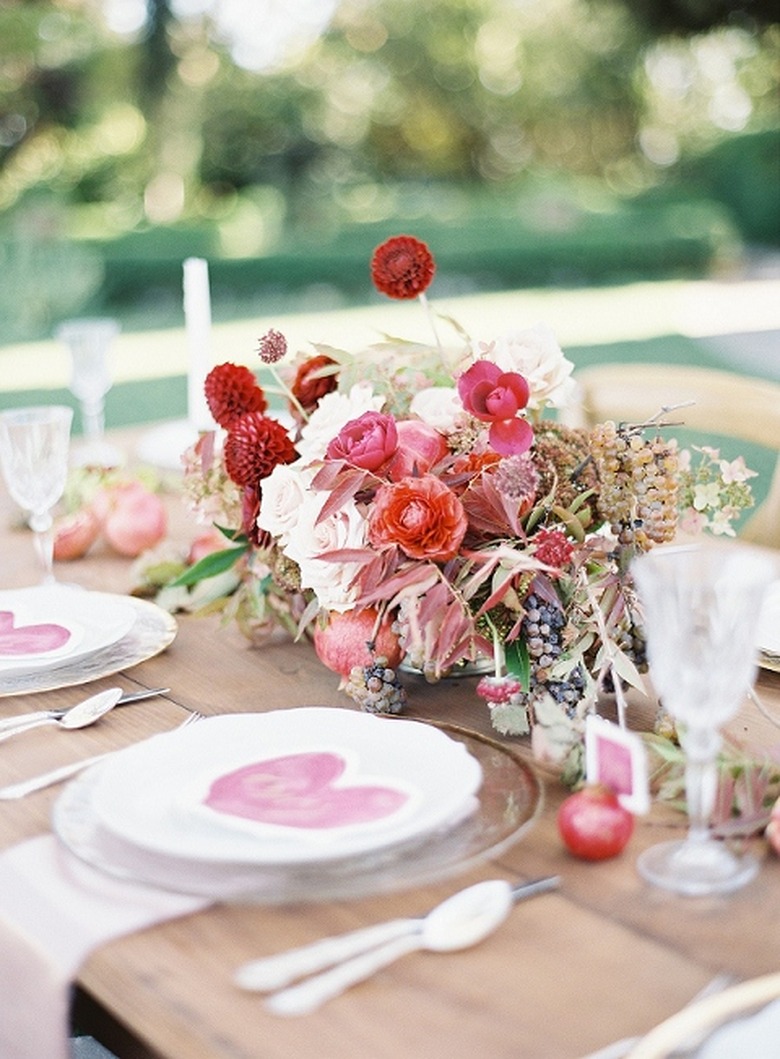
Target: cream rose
{"x":536,"y":355}
{"x":310,"y":538}
{"x":284,"y":491}
{"x":439,"y":407}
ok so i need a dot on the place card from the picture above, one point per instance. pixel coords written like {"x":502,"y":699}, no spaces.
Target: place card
{"x":616,"y":758}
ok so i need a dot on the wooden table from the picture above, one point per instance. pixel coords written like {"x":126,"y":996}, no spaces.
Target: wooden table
{"x":605,"y":957}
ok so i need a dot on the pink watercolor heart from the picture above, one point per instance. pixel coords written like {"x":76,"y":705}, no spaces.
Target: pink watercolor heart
{"x":29,"y":639}
{"x":299,"y":790}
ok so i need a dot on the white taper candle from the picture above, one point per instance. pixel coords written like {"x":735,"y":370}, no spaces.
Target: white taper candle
{"x":197,"y":318}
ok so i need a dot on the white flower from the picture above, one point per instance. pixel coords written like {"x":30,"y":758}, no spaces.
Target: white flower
{"x":706,"y":495}
{"x":284,"y":491}
{"x":331,"y":414}
{"x":536,"y":355}
{"x":439,"y":407}
{"x":309,"y":538}
{"x":720,"y":523}
{"x":735,"y":471}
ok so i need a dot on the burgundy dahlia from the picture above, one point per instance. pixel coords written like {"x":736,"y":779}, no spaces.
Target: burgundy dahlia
{"x":402,"y":267}
{"x":313,"y":380}
{"x":254,"y":446}
{"x":231,"y":391}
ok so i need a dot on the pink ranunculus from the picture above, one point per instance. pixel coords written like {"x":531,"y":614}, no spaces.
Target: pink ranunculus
{"x":421,"y":515}
{"x":420,"y":447}
{"x":495,"y":396}
{"x":366,"y":442}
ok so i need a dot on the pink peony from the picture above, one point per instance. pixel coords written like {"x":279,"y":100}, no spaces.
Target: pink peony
{"x":366,"y":442}
{"x":420,"y":447}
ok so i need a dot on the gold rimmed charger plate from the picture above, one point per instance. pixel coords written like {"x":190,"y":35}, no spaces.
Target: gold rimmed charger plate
{"x":770,"y":662}
{"x":507,"y":805}
{"x":153,"y":630}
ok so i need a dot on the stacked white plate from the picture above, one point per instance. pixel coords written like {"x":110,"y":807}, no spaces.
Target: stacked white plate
{"x":56,"y":636}
{"x":307,"y":802}
{"x":48,"y":626}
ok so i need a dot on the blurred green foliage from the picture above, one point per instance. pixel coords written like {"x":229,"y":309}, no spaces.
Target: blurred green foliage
{"x":549,"y":141}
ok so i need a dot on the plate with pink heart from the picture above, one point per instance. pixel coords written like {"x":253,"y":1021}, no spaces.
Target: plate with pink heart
{"x":295,"y":786}
{"x":46,"y":626}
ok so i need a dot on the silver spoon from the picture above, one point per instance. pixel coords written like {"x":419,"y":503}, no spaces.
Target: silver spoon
{"x":57,"y":712}
{"x":457,"y":923}
{"x":78,"y":716}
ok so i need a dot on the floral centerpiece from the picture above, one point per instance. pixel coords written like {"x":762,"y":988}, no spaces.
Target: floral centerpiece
{"x":427,"y":507}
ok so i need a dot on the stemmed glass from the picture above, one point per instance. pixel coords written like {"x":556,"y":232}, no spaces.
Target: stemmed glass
{"x":701,"y":607}
{"x":89,"y":341}
{"x":34,"y":445}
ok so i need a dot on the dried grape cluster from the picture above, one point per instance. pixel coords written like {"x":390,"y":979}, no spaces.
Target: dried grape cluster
{"x":376,"y":687}
{"x":638,"y":494}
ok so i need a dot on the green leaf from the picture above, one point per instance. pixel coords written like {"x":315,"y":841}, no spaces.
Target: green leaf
{"x":517,"y":661}
{"x":235,"y":535}
{"x":210,"y":566}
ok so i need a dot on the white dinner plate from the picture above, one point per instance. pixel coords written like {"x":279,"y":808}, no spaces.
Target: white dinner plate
{"x":152,"y":631}
{"x":47,"y":626}
{"x":295,"y":786}
{"x":508,"y":803}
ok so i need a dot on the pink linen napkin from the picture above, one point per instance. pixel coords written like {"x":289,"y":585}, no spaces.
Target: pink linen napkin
{"x":54,"y":910}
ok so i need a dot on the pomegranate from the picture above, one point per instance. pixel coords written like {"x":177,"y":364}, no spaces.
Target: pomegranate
{"x":341,"y":641}
{"x":593,"y":824}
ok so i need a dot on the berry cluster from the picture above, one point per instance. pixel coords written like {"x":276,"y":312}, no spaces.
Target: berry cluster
{"x":542,"y":630}
{"x":567,"y":693}
{"x":376,"y":687}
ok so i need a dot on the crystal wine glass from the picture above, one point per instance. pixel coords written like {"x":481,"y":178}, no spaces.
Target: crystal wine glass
{"x":89,"y":341}
{"x":34,"y":445}
{"x":701,"y":607}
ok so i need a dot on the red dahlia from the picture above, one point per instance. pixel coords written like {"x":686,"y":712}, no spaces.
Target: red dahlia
{"x":232,"y":391}
{"x":313,"y":380}
{"x":254,"y":446}
{"x":402,"y":267}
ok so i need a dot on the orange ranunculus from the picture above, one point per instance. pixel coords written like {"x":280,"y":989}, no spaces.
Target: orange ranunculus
{"x":421,"y":515}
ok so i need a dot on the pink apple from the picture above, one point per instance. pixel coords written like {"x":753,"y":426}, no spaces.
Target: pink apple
{"x":211,"y":540}
{"x":75,"y":534}
{"x":133,"y":517}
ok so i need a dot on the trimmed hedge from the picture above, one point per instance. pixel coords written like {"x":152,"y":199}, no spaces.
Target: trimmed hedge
{"x":491,"y":252}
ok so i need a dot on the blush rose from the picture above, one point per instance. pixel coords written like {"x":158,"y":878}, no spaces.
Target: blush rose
{"x":421,"y":515}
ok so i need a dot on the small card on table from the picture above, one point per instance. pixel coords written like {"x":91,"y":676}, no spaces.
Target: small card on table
{"x":617,"y":759}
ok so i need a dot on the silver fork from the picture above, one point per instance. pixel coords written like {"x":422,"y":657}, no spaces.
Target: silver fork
{"x":64,"y":772}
